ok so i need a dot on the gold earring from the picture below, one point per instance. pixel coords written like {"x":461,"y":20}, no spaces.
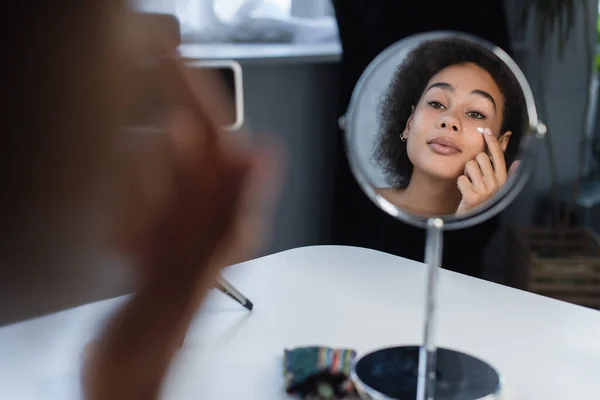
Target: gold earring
{"x":403,"y":137}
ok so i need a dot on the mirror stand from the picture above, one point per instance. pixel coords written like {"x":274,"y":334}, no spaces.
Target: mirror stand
{"x":433,"y":259}
{"x":427,"y":369}
{"x":426,"y":372}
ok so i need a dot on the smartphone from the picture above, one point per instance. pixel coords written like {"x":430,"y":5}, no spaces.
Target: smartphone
{"x":230,"y":73}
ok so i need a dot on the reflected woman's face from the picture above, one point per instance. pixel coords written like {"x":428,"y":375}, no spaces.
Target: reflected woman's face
{"x":442,"y":132}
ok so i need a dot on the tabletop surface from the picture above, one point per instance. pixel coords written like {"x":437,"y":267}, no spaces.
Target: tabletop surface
{"x":327,"y":295}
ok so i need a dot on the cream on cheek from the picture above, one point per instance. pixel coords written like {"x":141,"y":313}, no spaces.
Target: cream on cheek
{"x":485,"y":131}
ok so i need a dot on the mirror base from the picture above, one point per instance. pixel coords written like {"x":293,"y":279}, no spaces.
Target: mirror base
{"x":392,"y":373}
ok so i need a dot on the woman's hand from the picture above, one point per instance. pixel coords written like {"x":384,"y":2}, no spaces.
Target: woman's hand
{"x":216,"y":191}
{"x":209,"y":209}
{"x":484,"y":176}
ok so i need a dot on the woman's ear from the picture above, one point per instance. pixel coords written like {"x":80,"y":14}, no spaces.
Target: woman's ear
{"x":504,"y":139}
{"x":409,"y":121}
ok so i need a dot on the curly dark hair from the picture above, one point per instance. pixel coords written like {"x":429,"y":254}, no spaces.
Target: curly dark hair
{"x":408,"y":85}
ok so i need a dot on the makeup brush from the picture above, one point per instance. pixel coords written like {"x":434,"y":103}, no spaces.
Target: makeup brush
{"x":232,"y":292}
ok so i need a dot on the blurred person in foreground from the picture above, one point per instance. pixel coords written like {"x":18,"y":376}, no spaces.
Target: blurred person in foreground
{"x":198,"y":202}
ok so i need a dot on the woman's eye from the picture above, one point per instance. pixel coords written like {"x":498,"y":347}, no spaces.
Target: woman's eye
{"x":435,"y":104}
{"x":476,"y":115}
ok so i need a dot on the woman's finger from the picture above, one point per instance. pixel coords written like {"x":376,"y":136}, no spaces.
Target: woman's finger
{"x":473,"y":172}
{"x":183,"y":96}
{"x":485,"y":165}
{"x":261,"y":191}
{"x":496,"y":155}
{"x":466,"y":189}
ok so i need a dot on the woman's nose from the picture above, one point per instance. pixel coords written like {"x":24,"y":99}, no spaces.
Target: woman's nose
{"x":449,"y":122}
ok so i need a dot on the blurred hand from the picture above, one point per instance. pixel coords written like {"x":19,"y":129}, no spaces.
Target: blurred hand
{"x":208,"y":208}
{"x":212,"y":208}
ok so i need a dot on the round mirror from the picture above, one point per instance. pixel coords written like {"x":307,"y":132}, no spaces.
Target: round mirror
{"x":440,"y":134}
{"x":442,"y":125}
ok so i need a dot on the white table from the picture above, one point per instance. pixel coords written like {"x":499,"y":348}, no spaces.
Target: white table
{"x":338,"y":296}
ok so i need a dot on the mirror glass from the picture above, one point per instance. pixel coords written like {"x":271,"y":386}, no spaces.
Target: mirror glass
{"x":442,"y":125}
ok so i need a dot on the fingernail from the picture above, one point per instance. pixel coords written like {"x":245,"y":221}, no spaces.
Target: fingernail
{"x":488,"y":131}
{"x":480,"y":130}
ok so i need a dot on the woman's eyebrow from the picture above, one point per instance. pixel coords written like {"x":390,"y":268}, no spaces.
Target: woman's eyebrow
{"x":478,"y":92}
{"x":441,"y":85}
{"x":486,"y":95}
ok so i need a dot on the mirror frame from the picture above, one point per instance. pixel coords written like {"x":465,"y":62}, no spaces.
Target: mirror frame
{"x":532,"y":134}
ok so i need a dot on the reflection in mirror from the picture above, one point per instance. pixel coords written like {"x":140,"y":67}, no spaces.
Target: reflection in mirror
{"x":444,"y":129}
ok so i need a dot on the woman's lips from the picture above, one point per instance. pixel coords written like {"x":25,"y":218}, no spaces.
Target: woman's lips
{"x":443,"y":146}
